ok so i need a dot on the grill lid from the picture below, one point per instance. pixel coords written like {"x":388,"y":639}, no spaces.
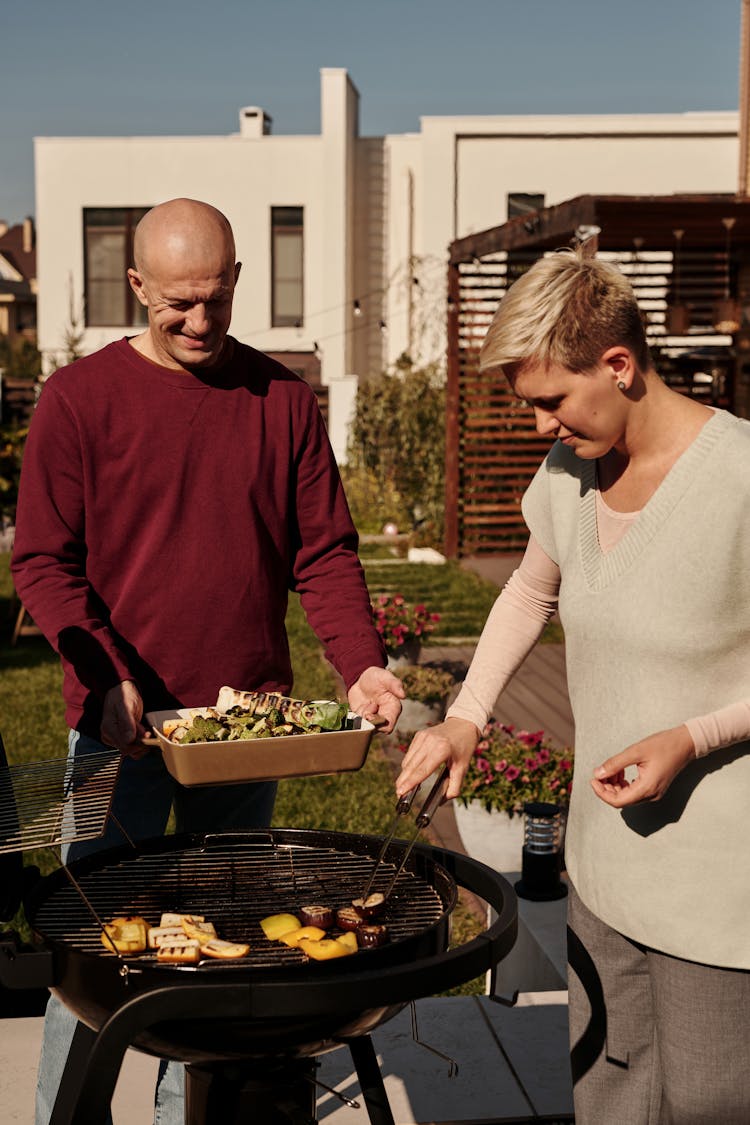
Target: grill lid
{"x":57,"y":801}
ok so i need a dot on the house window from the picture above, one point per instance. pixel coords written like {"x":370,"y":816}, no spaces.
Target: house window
{"x":286,"y":267}
{"x":108,"y":248}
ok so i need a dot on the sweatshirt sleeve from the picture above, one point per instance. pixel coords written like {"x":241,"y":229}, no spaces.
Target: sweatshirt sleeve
{"x":49,"y":555}
{"x":327,"y":572}
{"x":515,"y":623}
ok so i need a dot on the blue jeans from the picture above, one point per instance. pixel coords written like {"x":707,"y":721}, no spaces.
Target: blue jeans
{"x":143,"y":797}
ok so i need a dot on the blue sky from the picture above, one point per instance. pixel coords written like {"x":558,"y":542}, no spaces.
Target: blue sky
{"x":93,"y":67}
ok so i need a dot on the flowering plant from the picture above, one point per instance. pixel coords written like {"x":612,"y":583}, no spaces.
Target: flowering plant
{"x":511,"y":767}
{"x":398,"y":622}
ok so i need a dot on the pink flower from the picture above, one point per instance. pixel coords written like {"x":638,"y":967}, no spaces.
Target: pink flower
{"x":512,"y":772}
{"x":501,"y":765}
{"x":542,"y":757}
{"x":566,"y":764}
{"x":530,"y":763}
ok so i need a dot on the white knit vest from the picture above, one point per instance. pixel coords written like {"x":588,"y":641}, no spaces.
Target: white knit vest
{"x":658,"y":631}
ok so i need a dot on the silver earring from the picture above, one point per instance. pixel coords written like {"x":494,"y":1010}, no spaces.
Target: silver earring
{"x":621,"y":386}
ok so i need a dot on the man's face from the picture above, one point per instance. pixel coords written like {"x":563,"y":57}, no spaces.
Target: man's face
{"x":189,"y":309}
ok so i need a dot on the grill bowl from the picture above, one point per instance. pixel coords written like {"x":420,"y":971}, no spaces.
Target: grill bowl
{"x":284,"y":1004}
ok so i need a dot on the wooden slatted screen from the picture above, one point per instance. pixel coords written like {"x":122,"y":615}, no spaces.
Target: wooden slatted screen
{"x":493,"y":449}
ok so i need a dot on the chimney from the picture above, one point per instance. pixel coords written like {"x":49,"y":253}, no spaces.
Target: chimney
{"x":28,"y":235}
{"x":254,"y":122}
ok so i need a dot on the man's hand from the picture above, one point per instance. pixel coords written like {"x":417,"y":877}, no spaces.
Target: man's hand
{"x":377,"y":694}
{"x":121,"y":719}
{"x":453,"y":741}
{"x":658,"y":758}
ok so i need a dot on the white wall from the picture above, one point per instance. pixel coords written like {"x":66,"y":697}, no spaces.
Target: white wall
{"x":379,"y":212}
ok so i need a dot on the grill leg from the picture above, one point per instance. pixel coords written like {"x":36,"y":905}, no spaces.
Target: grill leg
{"x":70,"y":1083}
{"x":370,"y":1080}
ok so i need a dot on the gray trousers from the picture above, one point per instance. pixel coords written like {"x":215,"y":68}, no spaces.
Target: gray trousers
{"x":654,"y":1040}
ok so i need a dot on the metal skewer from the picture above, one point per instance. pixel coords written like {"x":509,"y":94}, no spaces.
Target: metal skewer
{"x":403,"y":807}
{"x":424,"y":817}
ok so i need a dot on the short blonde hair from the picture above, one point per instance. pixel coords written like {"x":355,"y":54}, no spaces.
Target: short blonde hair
{"x":566,"y":309}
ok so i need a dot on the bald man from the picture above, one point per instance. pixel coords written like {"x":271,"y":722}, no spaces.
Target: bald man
{"x":176,"y":485}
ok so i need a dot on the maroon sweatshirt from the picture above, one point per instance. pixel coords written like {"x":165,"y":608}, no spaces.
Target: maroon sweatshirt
{"x":162,"y":519}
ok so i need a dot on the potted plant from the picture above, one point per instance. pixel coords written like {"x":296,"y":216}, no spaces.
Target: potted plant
{"x":427,"y":689}
{"x":508,"y":769}
{"x":403,"y":627}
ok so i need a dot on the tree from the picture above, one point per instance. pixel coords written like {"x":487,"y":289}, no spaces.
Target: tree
{"x":395,"y":468}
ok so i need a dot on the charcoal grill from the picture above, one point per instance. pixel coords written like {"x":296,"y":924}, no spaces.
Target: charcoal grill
{"x":249,"y":1029}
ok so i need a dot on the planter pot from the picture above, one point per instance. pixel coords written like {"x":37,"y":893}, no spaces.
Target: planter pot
{"x":405,"y":655}
{"x":494,"y":838}
{"x":415,"y":715}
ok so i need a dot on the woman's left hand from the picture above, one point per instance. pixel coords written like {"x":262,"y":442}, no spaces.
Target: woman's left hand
{"x":658,"y":759}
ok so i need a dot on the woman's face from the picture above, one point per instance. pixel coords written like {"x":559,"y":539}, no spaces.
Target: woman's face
{"x":584,"y":411}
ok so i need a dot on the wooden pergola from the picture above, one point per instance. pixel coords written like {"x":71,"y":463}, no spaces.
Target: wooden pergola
{"x":684,"y":255}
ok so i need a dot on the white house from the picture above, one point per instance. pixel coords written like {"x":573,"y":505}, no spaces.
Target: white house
{"x":343,"y":238}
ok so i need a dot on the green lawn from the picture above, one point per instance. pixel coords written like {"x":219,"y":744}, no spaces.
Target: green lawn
{"x":462,"y":598}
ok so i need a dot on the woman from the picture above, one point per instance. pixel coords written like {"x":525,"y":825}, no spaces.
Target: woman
{"x":640,"y":519}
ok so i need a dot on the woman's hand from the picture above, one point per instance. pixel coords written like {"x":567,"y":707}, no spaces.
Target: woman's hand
{"x":453,"y":741}
{"x":658,"y":758}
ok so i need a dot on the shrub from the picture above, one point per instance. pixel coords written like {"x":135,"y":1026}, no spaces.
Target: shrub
{"x":425,"y":683}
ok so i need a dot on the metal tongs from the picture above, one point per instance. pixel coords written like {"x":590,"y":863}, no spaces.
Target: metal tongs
{"x":423,"y":818}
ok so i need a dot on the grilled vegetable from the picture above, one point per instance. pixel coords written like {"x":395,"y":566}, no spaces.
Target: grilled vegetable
{"x":371,"y":907}
{"x":223,"y":950}
{"x":276,"y":925}
{"x":196,"y":927}
{"x":128,"y":934}
{"x":349,"y":939}
{"x":326,"y":949}
{"x":347,"y":918}
{"x":176,"y":919}
{"x":372,"y":936}
{"x":316,"y":915}
{"x":323,"y":713}
{"x":185,"y":952}
{"x":304,"y":933}
{"x":164,"y":935}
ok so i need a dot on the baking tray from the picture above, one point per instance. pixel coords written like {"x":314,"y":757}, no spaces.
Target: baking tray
{"x":262,"y":759}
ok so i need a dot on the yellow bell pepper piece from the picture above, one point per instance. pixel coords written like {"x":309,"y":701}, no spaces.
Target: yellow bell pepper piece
{"x":325,"y":950}
{"x":309,"y":933}
{"x":276,"y":925}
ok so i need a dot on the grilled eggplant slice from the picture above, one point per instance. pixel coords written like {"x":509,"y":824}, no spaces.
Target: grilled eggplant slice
{"x":315,"y":914}
{"x":372,"y":936}
{"x":371,"y":907}
{"x":347,"y":918}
